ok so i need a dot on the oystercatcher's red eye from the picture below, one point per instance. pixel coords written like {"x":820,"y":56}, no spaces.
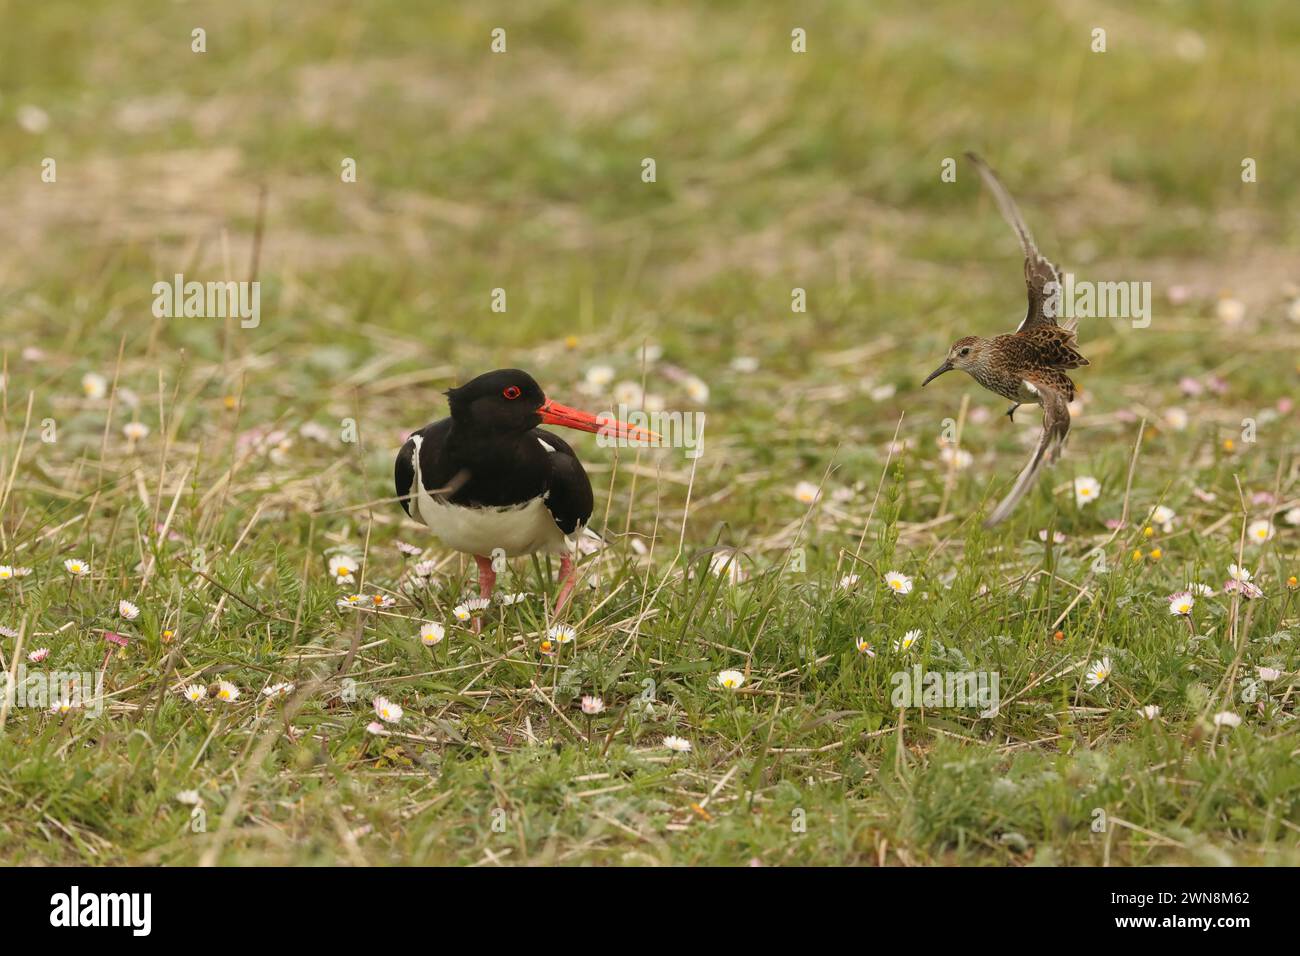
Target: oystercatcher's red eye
{"x":511,"y":392}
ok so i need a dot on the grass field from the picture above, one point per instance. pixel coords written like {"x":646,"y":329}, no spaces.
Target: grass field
{"x":822,"y":470}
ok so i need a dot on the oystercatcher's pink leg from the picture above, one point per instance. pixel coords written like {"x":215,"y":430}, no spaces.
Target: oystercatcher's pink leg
{"x":487,"y":580}
{"x":567,"y":579}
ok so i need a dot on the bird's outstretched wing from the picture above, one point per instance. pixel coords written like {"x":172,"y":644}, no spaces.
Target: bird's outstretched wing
{"x":1042,"y":280}
{"x":1056,"y":428}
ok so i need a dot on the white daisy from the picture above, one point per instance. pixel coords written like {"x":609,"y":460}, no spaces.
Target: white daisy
{"x":128,"y":610}
{"x":1163,"y":517}
{"x":461,"y":613}
{"x":807,"y":492}
{"x":1150,"y":711}
{"x":227,"y":691}
{"x":958,"y":458}
{"x":432,"y":633}
{"x":1259,"y":531}
{"x":283,"y":689}
{"x":677,"y":744}
{"x":849,"y":581}
{"x":731,"y":679}
{"x":76,"y":566}
{"x":1086,"y":489}
{"x":864,"y":647}
{"x":6,"y":572}
{"x":1098,"y":671}
{"x":1238,"y":574}
{"x":598,"y":376}
{"x":592,"y":705}
{"x":562,"y":633}
{"x":1226,"y":718}
{"x":195,"y":693}
{"x":898,"y":582}
{"x":343,"y":569}
{"x":1201,"y":590}
{"x":1267,"y":674}
{"x":62,"y":706}
{"x":93,"y":385}
{"x":1292,"y":517}
{"x":1181,"y":603}
{"x":697,"y":390}
{"x":135,"y":431}
{"x":387,"y":711}
{"x":905,"y":642}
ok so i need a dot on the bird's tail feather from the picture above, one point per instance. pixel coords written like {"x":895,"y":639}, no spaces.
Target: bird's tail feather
{"x":1046,"y":452}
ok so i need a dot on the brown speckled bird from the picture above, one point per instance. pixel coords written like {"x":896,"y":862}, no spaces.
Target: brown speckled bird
{"x":1029,"y":365}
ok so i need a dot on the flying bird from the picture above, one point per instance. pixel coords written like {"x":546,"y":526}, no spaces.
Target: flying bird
{"x":1029,"y":365}
{"x":489,"y":482}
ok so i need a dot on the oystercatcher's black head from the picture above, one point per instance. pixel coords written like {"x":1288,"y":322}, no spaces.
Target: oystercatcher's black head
{"x":509,"y":401}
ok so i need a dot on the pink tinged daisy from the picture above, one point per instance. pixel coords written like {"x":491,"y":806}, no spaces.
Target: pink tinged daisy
{"x":76,"y":567}
{"x":128,"y":610}
{"x":478,"y":604}
{"x":1268,"y":674}
{"x":408,"y":549}
{"x":424,"y":569}
{"x":864,"y":647}
{"x":1259,"y":531}
{"x":907,"y":641}
{"x":227,"y":692}
{"x":1150,"y":711}
{"x":1181,"y":603}
{"x":807,"y":492}
{"x":731,"y":680}
{"x":38,"y":655}
{"x":898,"y":582}
{"x":1086,"y":490}
{"x":562,"y":633}
{"x":343,"y":569}
{"x":1098,"y":672}
{"x":387,"y":711}
{"x":195,"y":693}
{"x":1226,"y":718}
{"x":376,"y":728}
{"x":592,"y":705}
{"x":432,"y":633}
{"x":135,"y":431}
{"x":1057,"y":537}
{"x":461,"y":613}
{"x":112,"y":637}
{"x":7,"y":632}
{"x":677,"y":744}
{"x":62,"y":706}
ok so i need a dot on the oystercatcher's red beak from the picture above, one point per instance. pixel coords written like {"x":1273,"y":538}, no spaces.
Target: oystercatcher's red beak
{"x":553,"y":413}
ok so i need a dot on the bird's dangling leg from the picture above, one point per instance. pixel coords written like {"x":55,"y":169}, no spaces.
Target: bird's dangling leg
{"x":487,"y":580}
{"x":568,"y":576}
{"x":1011,"y":412}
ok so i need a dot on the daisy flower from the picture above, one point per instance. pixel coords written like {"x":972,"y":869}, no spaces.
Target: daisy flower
{"x":546,"y":647}
{"x":1150,"y":711}
{"x":38,"y":655}
{"x":506,"y":600}
{"x":1181,"y":603}
{"x":898,"y":582}
{"x":352,"y":600}
{"x":905,"y":642}
{"x":1226,"y":718}
{"x":1201,"y":590}
{"x":432,"y":633}
{"x":408,"y":549}
{"x":599,"y":376}
{"x":1259,"y":531}
{"x":731,"y":679}
{"x":387,"y":711}
{"x":343,"y":569}
{"x":562,"y":633}
{"x":382,"y":600}
{"x":424,"y":569}
{"x":61,"y":706}
{"x":1268,"y":673}
{"x":1057,"y":537}
{"x":227,"y":691}
{"x":135,"y":431}
{"x":1245,"y":588}
{"x":807,"y":492}
{"x":592,"y":705}
{"x":1086,"y":489}
{"x":864,"y":647}
{"x":1098,"y":671}
{"x":93,"y":385}
{"x":849,"y":581}
{"x":1238,"y":574}
{"x":283,"y":689}
{"x":1164,"y":517}
{"x":677,"y":744}
{"x":461,"y":613}
{"x":77,"y":567}
{"x":128,"y":610}
{"x":478,"y":604}
{"x":958,"y":458}
{"x":726,"y":563}
{"x":6,"y":572}
{"x":376,"y":728}
{"x":195,"y":693}
{"x":1292,"y":517}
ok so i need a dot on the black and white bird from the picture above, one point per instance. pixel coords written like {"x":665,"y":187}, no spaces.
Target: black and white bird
{"x":489,"y":482}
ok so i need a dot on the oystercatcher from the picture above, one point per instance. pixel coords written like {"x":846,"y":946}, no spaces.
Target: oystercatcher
{"x":1029,"y":365}
{"x":489,"y":482}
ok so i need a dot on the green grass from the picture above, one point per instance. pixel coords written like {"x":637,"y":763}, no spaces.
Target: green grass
{"x":775,"y":171}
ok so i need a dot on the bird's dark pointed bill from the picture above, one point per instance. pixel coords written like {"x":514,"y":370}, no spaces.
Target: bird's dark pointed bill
{"x":945,"y":367}
{"x":553,"y":413}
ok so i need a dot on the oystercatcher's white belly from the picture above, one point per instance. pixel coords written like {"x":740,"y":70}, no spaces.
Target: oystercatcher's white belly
{"x":514,"y":529}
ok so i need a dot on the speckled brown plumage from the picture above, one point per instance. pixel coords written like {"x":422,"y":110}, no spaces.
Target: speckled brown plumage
{"x":1029,"y":365}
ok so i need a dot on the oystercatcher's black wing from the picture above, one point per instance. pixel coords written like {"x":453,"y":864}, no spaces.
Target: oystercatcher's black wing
{"x":568,"y":495}
{"x":432,"y":439}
